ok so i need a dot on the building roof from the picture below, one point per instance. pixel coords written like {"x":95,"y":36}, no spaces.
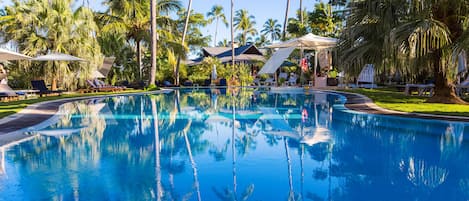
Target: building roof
{"x":243,"y":53}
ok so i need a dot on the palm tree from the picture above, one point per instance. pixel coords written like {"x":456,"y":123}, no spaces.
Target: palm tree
{"x":284,"y":33}
{"x":184,"y":32}
{"x":232,"y":36}
{"x":245,"y":23}
{"x":40,"y":27}
{"x":419,"y":33}
{"x":154,"y":41}
{"x":272,"y":28}
{"x":216,"y":13}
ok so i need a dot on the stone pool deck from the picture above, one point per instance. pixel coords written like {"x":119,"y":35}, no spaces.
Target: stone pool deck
{"x":12,"y":127}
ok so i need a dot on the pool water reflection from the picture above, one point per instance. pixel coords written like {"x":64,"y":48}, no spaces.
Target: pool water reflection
{"x":215,"y":145}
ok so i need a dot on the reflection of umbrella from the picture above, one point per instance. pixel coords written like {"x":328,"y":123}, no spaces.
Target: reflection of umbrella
{"x":214,"y":72}
{"x":59,"y":132}
{"x":6,"y":55}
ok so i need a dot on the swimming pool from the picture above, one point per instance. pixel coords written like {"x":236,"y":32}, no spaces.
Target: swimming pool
{"x":211,"y":144}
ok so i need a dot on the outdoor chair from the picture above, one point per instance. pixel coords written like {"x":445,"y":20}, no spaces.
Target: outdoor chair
{"x":269,"y":82}
{"x":223,"y":82}
{"x":463,"y":87}
{"x":41,"y":86}
{"x":99,"y":88}
{"x":422,"y":89}
{"x":292,"y":80}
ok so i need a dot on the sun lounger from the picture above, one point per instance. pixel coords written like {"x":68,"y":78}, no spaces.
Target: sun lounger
{"x":422,"y":89}
{"x":269,"y":82}
{"x":292,"y":80}
{"x":41,"y":86}
{"x":98,"y":86}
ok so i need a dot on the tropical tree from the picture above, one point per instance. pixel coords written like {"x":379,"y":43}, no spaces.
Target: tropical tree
{"x":154,"y":41}
{"x":41,"y":27}
{"x":423,"y":34}
{"x":272,"y":28}
{"x":216,"y":14}
{"x":129,"y":18}
{"x":244,"y":23}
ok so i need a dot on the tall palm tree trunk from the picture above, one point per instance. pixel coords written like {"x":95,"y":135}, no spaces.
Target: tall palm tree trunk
{"x":139,"y":59}
{"x":301,"y":12}
{"x":154,"y":41}
{"x":444,"y":91}
{"x":284,"y":33}
{"x":232,"y":37}
{"x":186,"y":24}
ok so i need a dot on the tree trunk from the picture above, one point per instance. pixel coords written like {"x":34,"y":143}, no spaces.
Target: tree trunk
{"x":154,"y":42}
{"x":176,"y":71}
{"x":54,"y":84}
{"x":232,"y":38}
{"x":139,"y":59}
{"x":444,"y":90}
{"x":284,"y":34}
{"x":301,"y":12}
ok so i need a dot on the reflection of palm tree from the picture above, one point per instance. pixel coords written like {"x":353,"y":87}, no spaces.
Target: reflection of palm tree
{"x":159,"y":189}
{"x":191,"y":158}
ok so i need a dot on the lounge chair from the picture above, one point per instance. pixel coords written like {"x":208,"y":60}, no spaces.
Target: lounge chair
{"x":269,"y":82}
{"x":292,"y":80}
{"x":41,"y":86}
{"x":463,"y":87}
{"x":99,"y":87}
{"x":366,"y":78}
{"x":422,"y":89}
{"x":223,"y":82}
{"x":7,"y":94}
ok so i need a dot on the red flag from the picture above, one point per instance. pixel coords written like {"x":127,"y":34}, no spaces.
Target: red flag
{"x":304,"y":64}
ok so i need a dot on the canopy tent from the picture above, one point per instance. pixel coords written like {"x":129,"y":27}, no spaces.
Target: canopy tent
{"x":6,"y":55}
{"x":308,"y":41}
{"x":276,"y":60}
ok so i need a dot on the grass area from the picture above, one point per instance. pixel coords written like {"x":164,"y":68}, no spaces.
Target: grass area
{"x":12,"y":107}
{"x":394,"y":100}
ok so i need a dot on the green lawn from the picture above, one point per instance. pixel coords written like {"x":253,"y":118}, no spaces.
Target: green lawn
{"x":394,"y":100}
{"x":12,"y":107}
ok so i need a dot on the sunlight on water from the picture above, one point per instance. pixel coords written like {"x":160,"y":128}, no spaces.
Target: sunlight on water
{"x":248,"y":145}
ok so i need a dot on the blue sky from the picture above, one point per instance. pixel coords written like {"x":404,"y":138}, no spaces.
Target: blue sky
{"x":261,"y":9}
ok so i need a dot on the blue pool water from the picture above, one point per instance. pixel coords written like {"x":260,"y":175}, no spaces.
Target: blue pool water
{"x":210,"y":145}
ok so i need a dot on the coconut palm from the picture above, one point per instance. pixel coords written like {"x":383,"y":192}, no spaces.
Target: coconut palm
{"x":232,"y":36}
{"x":272,"y":28}
{"x":40,"y":27}
{"x":422,"y":34}
{"x":244,"y":23}
{"x":216,"y":14}
{"x":154,"y":41}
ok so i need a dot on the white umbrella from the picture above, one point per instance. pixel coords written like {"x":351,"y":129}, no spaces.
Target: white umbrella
{"x":7,"y":55}
{"x":57,"y":57}
{"x":308,"y":41}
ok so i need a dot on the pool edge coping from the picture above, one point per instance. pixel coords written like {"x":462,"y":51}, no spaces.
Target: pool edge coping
{"x":361,"y":103}
{"x":17,"y":136}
